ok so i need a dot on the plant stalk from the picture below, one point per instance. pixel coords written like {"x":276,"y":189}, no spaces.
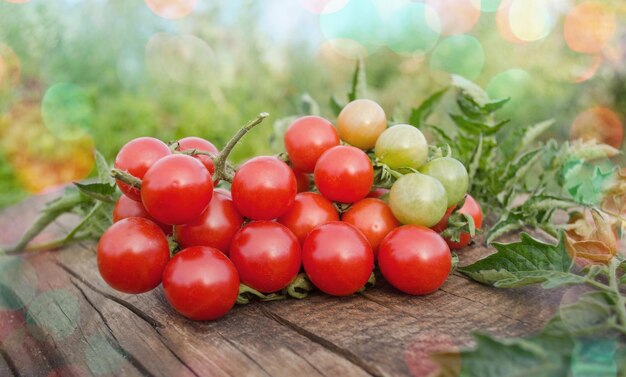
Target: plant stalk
{"x":126,"y":177}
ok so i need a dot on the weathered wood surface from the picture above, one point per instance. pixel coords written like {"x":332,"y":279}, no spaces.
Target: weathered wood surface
{"x":58,"y":316}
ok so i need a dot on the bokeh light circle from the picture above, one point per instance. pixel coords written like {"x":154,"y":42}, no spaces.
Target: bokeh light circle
{"x":54,"y":313}
{"x":588,"y":27}
{"x":17,"y":1}
{"x":584,"y":72}
{"x":513,"y":83}
{"x":459,"y":54}
{"x":359,"y":21}
{"x":18,"y":283}
{"x":323,"y":6}
{"x":487,"y":6}
{"x":599,"y":123}
{"x":101,"y":357}
{"x":531,"y":20}
{"x":503,"y":23}
{"x":171,"y":9}
{"x":67,"y":111}
{"x":413,"y":28}
{"x":337,"y":51}
{"x":456,"y":16}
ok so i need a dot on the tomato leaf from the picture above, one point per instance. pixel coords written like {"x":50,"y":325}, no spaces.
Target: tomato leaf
{"x":336,"y":105}
{"x":359,"y":82}
{"x":105,"y":192}
{"x":103,"y":169}
{"x":420,"y":115}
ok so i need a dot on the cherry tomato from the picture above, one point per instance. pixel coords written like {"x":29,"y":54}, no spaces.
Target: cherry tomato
{"x":378,"y":193}
{"x":470,"y":207}
{"x":302,"y":181}
{"x":132,"y":255}
{"x":193,"y":142}
{"x":361,"y":122}
{"x":452,"y":175}
{"x":176,"y":189}
{"x":414,"y":259}
{"x":306,"y":139}
{"x":373,"y":218}
{"x":136,"y":157}
{"x":216,"y":227}
{"x":264,"y":188}
{"x":201,"y":283}
{"x":402,"y":146}
{"x":126,"y":207}
{"x":344,"y":174}
{"x":337,"y":258}
{"x":308,"y":211}
{"x":418,"y":199}
{"x":267,"y":255}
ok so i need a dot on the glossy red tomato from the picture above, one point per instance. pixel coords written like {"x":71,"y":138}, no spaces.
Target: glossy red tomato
{"x":308,"y":211}
{"x":126,"y":207}
{"x":337,"y":258}
{"x":344,"y":174}
{"x":176,"y":189}
{"x":264,"y":188}
{"x":470,"y":207}
{"x":306,"y":139}
{"x":216,"y":227}
{"x":136,"y":157}
{"x":193,"y":142}
{"x":373,"y":218}
{"x":414,"y":259}
{"x":201,"y":283}
{"x":266,"y":255}
{"x":132,"y":255}
{"x":302,"y":181}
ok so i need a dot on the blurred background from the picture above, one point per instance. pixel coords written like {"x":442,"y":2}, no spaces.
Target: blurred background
{"x":77,"y":74}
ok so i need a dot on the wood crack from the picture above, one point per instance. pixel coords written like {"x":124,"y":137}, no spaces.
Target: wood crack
{"x":176,"y":356}
{"x":330,"y":346}
{"x":246,"y":354}
{"x":9,"y":361}
{"x":306,"y":361}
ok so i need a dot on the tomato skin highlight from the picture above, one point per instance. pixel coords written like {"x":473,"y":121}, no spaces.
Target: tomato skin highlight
{"x":136,"y":157}
{"x":337,"y":258}
{"x":194,"y":142}
{"x":344,"y":174}
{"x":470,"y":207}
{"x":361,"y":122}
{"x":132,"y":255}
{"x":215,"y":227}
{"x":264,"y":188}
{"x":176,"y":189}
{"x":267,"y":255}
{"x":414,"y":259}
{"x":306,"y":139}
{"x":373,"y":218}
{"x":308,"y":211}
{"x":125,"y":207}
{"x":201,"y":283}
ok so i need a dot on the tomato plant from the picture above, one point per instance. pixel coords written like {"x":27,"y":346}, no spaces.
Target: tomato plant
{"x":361,"y":122}
{"x":136,"y":157}
{"x":306,"y":139}
{"x":264,"y":188}
{"x":200,"y":144}
{"x":470,"y":207}
{"x":337,"y":258}
{"x":132,"y":254}
{"x":267,"y":255}
{"x":308,"y":211}
{"x":344,"y":174}
{"x":402,"y":146}
{"x":452,"y":175}
{"x":373,"y":218}
{"x":201,"y":283}
{"x":418,"y":199}
{"x":176,"y":189}
{"x":215,"y":227}
{"x":414,"y":259}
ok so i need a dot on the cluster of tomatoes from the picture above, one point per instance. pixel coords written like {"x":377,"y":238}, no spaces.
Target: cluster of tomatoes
{"x":320,"y":211}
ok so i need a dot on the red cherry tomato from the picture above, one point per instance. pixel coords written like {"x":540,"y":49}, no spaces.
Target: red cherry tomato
{"x":306,"y":139}
{"x":373,"y":218}
{"x":337,"y":258}
{"x":344,"y":174}
{"x":266,"y":255}
{"x":201,"y":283}
{"x":414,"y":259}
{"x":126,"y":207}
{"x":216,"y":227}
{"x":136,"y":157}
{"x":472,"y":208}
{"x":378,"y":193}
{"x":308,"y":211}
{"x":264,"y":188}
{"x":132,"y":255}
{"x":302,"y":180}
{"x":176,"y":189}
{"x":193,"y":142}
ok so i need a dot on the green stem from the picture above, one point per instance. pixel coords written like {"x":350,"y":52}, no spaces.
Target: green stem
{"x":126,"y":178}
{"x":220,"y":161}
{"x":52,"y":245}
{"x":299,"y":287}
{"x":620,"y":301}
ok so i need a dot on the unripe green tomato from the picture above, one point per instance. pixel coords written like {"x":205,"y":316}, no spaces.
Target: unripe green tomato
{"x":402,"y":146}
{"x":452,"y":175}
{"x":418,"y":199}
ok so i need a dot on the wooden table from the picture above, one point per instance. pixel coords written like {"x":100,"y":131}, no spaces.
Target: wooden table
{"x":58,"y":315}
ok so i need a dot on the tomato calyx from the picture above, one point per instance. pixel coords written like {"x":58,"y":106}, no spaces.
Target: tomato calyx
{"x":371,"y":282}
{"x":299,"y":288}
{"x":459,"y":223}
